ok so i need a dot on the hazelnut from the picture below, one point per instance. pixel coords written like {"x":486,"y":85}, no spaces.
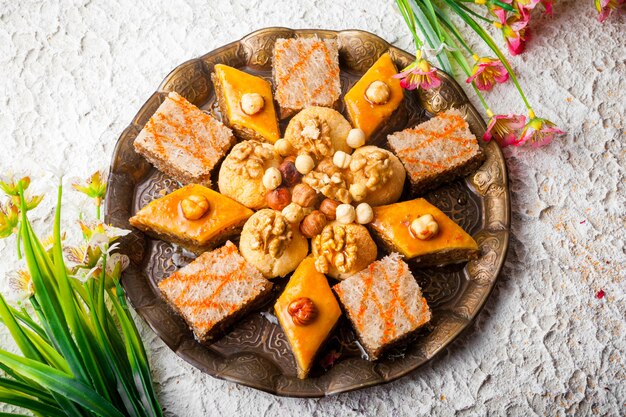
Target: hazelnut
{"x":364,"y":213}
{"x":272,"y":178}
{"x":341,"y":159}
{"x":290,"y":158}
{"x":252,"y":103}
{"x":194,"y":206}
{"x":302,"y":311}
{"x":345,"y":213}
{"x":424,"y":227}
{"x":289,"y":173}
{"x":304,"y":164}
{"x":313,"y":224}
{"x":304,"y":195}
{"x":355,"y":138}
{"x":329,"y":208}
{"x":358,"y":191}
{"x":278,"y":199}
{"x":378,"y":92}
{"x":293,"y":213}
{"x":283,"y":147}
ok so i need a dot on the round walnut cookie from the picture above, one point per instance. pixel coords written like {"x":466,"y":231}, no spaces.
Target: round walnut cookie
{"x":342,"y":250}
{"x":378,"y":174}
{"x":241,"y":173}
{"x":271,"y":244}
{"x":329,"y":180}
{"x":318,"y":132}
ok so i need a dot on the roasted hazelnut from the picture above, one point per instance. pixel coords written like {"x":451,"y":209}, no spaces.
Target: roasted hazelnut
{"x":304,"y":195}
{"x":194,"y":206}
{"x":355,"y":138}
{"x":304,"y":164}
{"x":252,"y":103}
{"x":279,"y":198}
{"x":290,"y":174}
{"x":290,"y":158}
{"x":329,"y":208}
{"x":364,"y":213}
{"x":424,"y":227}
{"x":358,"y":191}
{"x":272,"y":178}
{"x":313,"y":224}
{"x":378,"y":92}
{"x":293,"y":213}
{"x":341,"y":159}
{"x":345,"y":213}
{"x":283,"y":147}
{"x":302,"y":311}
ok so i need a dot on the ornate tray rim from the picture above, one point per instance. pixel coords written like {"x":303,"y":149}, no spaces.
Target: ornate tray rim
{"x":490,"y":181}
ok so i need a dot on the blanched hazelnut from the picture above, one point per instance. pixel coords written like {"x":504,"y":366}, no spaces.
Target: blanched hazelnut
{"x":341,"y":159}
{"x":329,"y":208}
{"x":293,"y":213}
{"x":355,"y":138}
{"x":345,"y":213}
{"x":304,"y":164}
{"x":364,"y":213}
{"x":194,"y":206}
{"x":358,"y":191}
{"x":304,"y":195}
{"x":424,"y":227}
{"x":283,"y":147}
{"x":272,"y":178}
{"x":302,"y":311}
{"x":289,"y":173}
{"x":378,"y":92}
{"x":252,"y":103}
{"x":279,"y":198}
{"x":313,"y":224}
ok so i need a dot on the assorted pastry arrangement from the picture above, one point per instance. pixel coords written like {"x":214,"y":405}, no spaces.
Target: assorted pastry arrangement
{"x":318,"y":203}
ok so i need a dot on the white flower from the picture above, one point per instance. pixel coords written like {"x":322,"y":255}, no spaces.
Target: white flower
{"x":21,"y":285}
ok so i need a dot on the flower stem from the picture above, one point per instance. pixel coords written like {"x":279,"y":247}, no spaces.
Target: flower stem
{"x":407,"y":14}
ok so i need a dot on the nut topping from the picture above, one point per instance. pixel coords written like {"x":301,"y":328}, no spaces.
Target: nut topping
{"x":194,"y":206}
{"x":364,"y":213}
{"x":313,"y":224}
{"x":279,"y":198}
{"x":313,"y":138}
{"x":271,"y":232}
{"x":304,"y":195}
{"x":293,"y":213}
{"x":283,"y":147}
{"x":302,"y":311}
{"x":341,"y":159}
{"x":358,"y":191}
{"x":290,"y":174}
{"x":345,"y":213}
{"x":424,"y":227}
{"x":329,"y":208}
{"x":304,"y":164}
{"x":336,"y":245}
{"x":250,"y":157}
{"x":272,"y":178}
{"x":378,"y":92}
{"x":373,"y":169}
{"x":329,"y":180}
{"x":252,"y":103}
{"x":355,"y":138}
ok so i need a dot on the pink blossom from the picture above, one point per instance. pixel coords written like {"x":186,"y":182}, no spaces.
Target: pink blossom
{"x":539,"y":132}
{"x":487,"y":72}
{"x":419,"y":74}
{"x":505,"y":129}
{"x":516,"y":33}
{"x":606,"y":7}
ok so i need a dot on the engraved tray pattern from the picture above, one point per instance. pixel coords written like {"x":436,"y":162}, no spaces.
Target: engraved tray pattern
{"x":256,"y":353}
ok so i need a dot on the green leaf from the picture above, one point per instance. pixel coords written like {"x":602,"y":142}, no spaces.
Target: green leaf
{"x":61,"y":383}
{"x":19,"y":336}
{"x":20,"y":400}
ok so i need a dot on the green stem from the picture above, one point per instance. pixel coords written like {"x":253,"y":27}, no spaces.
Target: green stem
{"x":97,"y":210}
{"x":407,"y":14}
{"x":473,"y":13}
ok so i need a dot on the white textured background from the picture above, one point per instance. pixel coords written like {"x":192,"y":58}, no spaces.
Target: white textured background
{"x":72,"y":75}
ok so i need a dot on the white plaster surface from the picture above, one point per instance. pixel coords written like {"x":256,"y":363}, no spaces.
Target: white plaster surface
{"x":72,"y":75}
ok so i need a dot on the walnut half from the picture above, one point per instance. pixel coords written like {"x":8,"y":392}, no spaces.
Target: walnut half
{"x":329,"y":180}
{"x":271,"y":232}
{"x":313,"y":138}
{"x":373,"y":169}
{"x":336,"y":246}
{"x":249,"y":158}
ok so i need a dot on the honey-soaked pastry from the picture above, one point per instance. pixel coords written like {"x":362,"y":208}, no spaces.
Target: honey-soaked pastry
{"x":241,"y":173}
{"x":194,"y":216}
{"x":214,"y":291}
{"x":306,"y":73}
{"x":375,"y":97}
{"x":246,"y":103}
{"x":183,"y":141}
{"x":318,"y":132}
{"x":437,"y":151}
{"x":422,"y":232}
{"x":384,"y":303}
{"x":272,"y":244}
{"x":343,"y":249}
{"x":307,"y":311}
{"x":377,"y":176}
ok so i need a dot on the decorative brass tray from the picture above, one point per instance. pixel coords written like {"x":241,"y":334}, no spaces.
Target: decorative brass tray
{"x":256,"y":353}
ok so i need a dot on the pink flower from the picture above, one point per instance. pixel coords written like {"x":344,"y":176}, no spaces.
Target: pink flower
{"x":539,"y":132}
{"x":606,"y":7}
{"x":487,"y":72}
{"x":525,"y":6}
{"x":419,"y":74}
{"x":504,"y":128}
{"x":516,"y":33}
